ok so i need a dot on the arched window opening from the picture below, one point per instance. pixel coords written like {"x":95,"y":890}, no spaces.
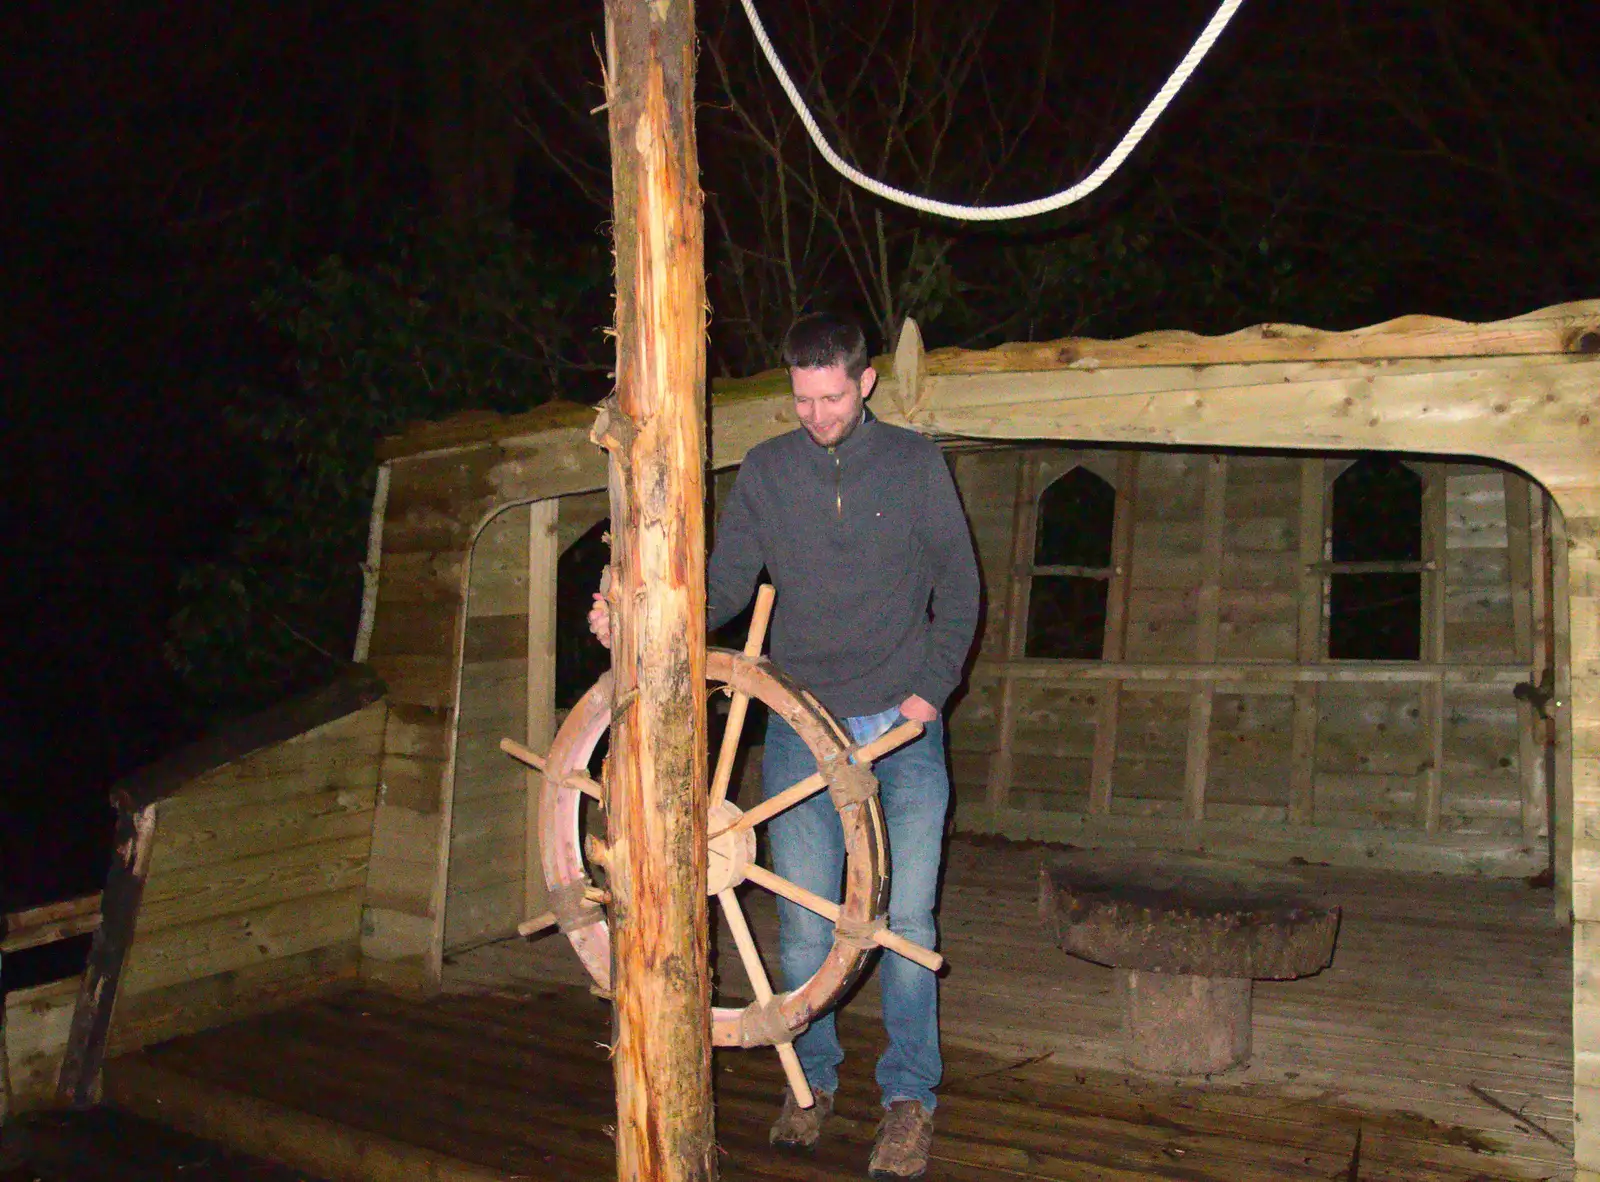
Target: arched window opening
{"x":580,"y":660}
{"x":1375,"y":576}
{"x":1071,"y":568}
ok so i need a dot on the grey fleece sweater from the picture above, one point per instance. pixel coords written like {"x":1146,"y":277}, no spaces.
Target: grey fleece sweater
{"x":871,"y":558}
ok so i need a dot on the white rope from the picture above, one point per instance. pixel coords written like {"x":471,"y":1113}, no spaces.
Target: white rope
{"x":995,"y":213}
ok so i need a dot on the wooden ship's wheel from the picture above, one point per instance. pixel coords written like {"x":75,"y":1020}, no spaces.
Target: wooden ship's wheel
{"x":860,"y":922}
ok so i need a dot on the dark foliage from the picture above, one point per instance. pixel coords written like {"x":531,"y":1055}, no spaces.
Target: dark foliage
{"x":443,"y":319}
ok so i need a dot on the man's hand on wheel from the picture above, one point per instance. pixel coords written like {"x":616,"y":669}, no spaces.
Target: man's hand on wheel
{"x":918,"y":709}
{"x":600,"y":620}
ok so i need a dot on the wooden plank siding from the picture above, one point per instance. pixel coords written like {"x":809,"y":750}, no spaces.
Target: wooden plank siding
{"x":254,"y":894}
{"x":1223,"y":567}
{"x":485,"y":894}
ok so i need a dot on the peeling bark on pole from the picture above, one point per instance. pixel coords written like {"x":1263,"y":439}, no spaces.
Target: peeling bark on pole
{"x":655,"y":430}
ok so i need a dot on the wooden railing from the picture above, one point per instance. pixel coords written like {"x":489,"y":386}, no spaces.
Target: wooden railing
{"x":49,"y":923}
{"x":35,"y":927}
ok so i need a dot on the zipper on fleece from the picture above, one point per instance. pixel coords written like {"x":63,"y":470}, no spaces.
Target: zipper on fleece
{"x":838,"y":485}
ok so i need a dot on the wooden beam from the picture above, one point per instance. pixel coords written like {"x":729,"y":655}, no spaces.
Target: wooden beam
{"x":79,"y":1083}
{"x":1519,"y":561}
{"x":1559,"y":329}
{"x":370,"y":568}
{"x":49,"y":923}
{"x":1571,"y":330}
{"x":5,"y":1066}
{"x":1024,"y":525}
{"x":1208,"y":599}
{"x":1273,"y":677}
{"x":1311,"y":601}
{"x":1563,"y":817}
{"x":1108,"y":710}
{"x":543,"y":554}
{"x":654,"y":430}
{"x":1434,"y":535}
{"x":1408,"y":407}
{"x":1369,"y":848}
{"x":1374,"y":568}
{"x":1542,"y":657}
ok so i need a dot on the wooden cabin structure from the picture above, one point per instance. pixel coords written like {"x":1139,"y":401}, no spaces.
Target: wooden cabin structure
{"x":1231,"y":699}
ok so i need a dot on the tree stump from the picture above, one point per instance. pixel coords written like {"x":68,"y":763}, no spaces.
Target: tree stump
{"x":1187,"y":937}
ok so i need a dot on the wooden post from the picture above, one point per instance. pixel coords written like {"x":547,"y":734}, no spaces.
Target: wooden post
{"x":1308,"y":647}
{"x":544,"y":551}
{"x":654,"y":428}
{"x":1519,"y":561}
{"x":79,"y":1082}
{"x":1024,"y":522}
{"x":1434,"y":544}
{"x":1109,"y":709}
{"x":5,"y":1062}
{"x":1559,"y":595}
{"x":1540,"y":595}
{"x":1208,"y":624}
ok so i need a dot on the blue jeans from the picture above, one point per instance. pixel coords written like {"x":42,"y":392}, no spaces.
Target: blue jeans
{"x":808,"y":848}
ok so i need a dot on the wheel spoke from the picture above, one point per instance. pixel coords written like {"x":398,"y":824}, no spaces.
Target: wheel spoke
{"x":757,"y":973}
{"x":741,"y":702}
{"x":792,"y":891}
{"x":730,"y":747}
{"x":814,"y":783}
{"x":774,"y":805}
{"x":536,"y":761}
{"x":828,"y":909}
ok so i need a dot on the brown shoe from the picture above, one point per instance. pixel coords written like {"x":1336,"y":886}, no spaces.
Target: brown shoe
{"x":798,"y":1128}
{"x":905,"y":1135}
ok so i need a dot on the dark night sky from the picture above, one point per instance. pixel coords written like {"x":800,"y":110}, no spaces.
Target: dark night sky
{"x":159,"y":163}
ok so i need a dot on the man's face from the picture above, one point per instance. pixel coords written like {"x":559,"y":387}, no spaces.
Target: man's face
{"x":828,"y":402}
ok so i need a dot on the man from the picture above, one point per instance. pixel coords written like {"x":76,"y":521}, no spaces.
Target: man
{"x":859,"y":526}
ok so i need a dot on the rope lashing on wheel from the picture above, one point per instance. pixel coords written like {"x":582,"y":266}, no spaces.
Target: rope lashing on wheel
{"x":573,"y":908}
{"x":849,"y":782}
{"x":996,"y":213}
{"x":762,"y":1025}
{"x":859,"y":934}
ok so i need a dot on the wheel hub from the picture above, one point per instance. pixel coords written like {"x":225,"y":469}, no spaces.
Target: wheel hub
{"x":728,"y":855}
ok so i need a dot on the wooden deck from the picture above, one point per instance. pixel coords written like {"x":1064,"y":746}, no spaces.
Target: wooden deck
{"x":1447,"y":997}
{"x":105,"y":1145}
{"x":1444,"y":990}
{"x":493,"y":1086}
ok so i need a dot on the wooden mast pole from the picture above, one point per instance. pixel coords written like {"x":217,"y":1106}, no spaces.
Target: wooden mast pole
{"x":654,"y":428}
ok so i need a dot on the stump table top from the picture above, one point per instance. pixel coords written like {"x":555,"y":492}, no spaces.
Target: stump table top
{"x":1170,"y":913}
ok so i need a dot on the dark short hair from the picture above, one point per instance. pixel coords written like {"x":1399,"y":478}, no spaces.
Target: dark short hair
{"x":822,"y":340}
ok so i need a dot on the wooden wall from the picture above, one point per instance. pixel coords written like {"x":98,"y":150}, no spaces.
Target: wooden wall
{"x":1216,"y":719}
{"x":441,"y":496}
{"x":484,"y":897}
{"x":507,"y":690}
{"x":257,"y":873}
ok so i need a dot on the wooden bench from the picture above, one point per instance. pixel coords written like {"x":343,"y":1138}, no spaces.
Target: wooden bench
{"x":1187,"y":937}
